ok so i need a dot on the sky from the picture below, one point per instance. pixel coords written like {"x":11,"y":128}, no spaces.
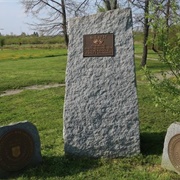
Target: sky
{"x":13,"y":20}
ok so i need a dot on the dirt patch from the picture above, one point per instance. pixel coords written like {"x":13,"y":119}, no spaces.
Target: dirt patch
{"x":34,"y":87}
{"x":169,"y":74}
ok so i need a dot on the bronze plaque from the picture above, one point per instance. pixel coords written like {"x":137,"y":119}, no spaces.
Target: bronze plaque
{"x":98,"y":45}
{"x":16,"y":150}
{"x":174,"y":151}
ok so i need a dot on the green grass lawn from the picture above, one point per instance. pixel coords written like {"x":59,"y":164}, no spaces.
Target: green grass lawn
{"x":42,"y":69}
{"x":44,"y":108}
{"x":139,"y":50}
{"x":16,"y":54}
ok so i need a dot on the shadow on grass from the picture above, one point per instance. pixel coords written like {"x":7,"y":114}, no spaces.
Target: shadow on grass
{"x":158,"y":67}
{"x":63,"y":166}
{"x":65,"y":54}
{"x":152,"y":143}
{"x":60,"y":166}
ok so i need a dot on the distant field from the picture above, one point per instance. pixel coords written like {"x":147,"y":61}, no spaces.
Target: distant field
{"x":23,"y":52}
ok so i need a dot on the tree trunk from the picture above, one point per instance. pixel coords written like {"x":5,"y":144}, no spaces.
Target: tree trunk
{"x":107,"y":4}
{"x":167,"y":16}
{"x":153,"y":43}
{"x":64,"y":23}
{"x":114,"y":5}
{"x":146,"y":34}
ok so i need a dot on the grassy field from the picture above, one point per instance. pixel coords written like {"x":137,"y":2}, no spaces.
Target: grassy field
{"x":20,"y":68}
{"x":16,"y":54}
{"x":44,"y":108}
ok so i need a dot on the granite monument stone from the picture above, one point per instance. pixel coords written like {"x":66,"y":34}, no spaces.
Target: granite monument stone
{"x":101,"y":107}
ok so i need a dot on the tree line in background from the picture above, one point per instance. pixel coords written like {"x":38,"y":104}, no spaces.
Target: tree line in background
{"x":52,"y":19}
{"x":24,"y":39}
{"x":52,"y":16}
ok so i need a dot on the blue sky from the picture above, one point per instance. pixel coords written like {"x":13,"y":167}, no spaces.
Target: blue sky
{"x":12,"y":18}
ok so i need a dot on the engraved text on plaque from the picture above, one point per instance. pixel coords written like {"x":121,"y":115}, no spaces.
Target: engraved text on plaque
{"x":98,"y":45}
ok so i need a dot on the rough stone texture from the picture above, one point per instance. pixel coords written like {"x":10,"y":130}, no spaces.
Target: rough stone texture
{"x":173,"y":130}
{"x":29,"y":128}
{"x":101,"y":108}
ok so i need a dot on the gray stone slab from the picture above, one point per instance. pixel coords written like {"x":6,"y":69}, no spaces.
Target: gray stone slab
{"x":19,"y":148}
{"x":171,"y":150}
{"x":101,"y":107}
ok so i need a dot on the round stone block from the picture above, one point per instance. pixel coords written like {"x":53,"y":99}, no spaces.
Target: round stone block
{"x":171,"y":150}
{"x":19,"y":148}
{"x":174,"y":151}
{"x":16,"y":150}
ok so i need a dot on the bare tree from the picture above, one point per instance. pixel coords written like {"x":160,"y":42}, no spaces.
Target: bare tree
{"x":143,"y":7}
{"x":52,"y":14}
{"x":64,"y":22}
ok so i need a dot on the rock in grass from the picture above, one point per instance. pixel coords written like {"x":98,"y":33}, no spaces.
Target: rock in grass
{"x":19,"y":148}
{"x":171,"y":150}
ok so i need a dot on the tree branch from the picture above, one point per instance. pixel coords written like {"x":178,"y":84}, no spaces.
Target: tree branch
{"x":52,"y":6}
{"x":85,"y":1}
